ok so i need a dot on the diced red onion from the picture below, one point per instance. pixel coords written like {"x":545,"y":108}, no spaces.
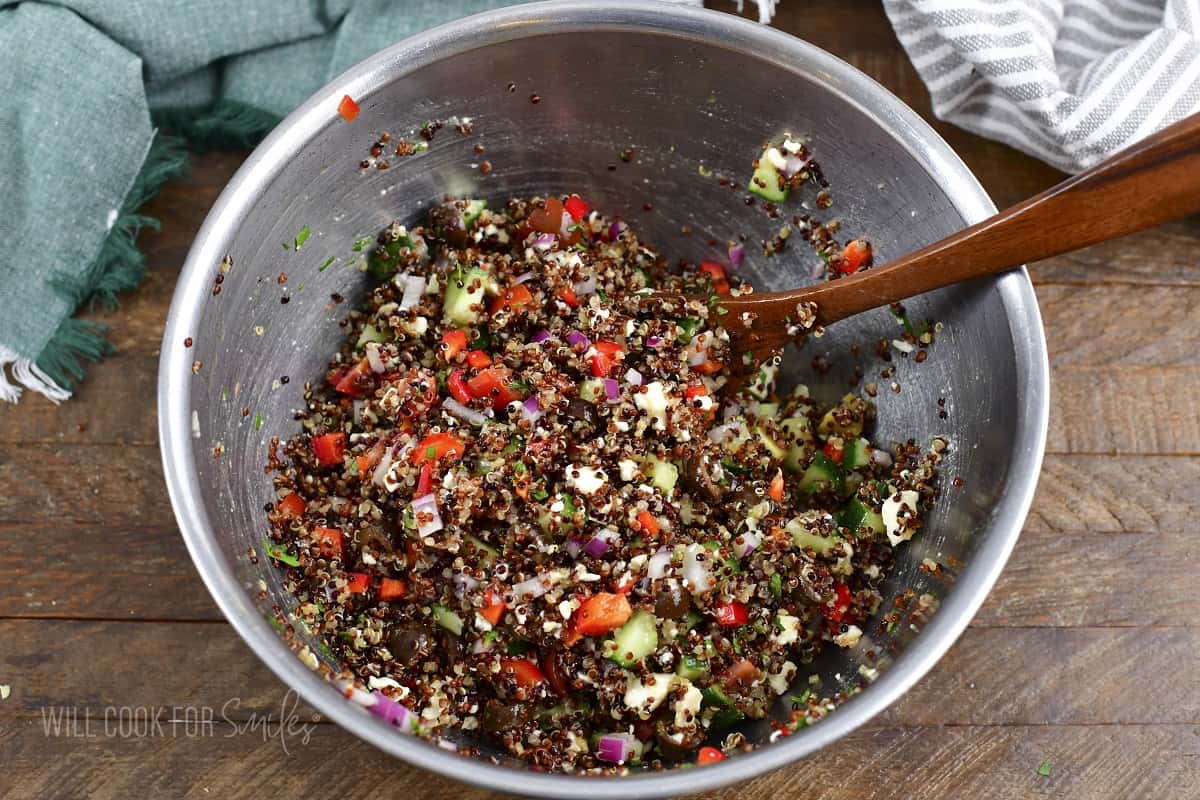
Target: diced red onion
{"x":736,"y":254}
{"x":600,"y":543}
{"x":793,"y":164}
{"x":359,"y":405}
{"x":732,"y":409}
{"x":360,"y":697}
{"x":466,"y":414}
{"x":701,"y":343}
{"x":881,"y":457}
{"x":427,"y":505}
{"x":414,"y":287}
{"x":584,"y":288}
{"x":383,"y":467}
{"x":565,"y":225}
{"x":523,"y":277}
{"x":817,"y":270}
{"x":656,"y":567}
{"x":653,"y":341}
{"x":577,"y":339}
{"x":463,"y":583}
{"x":545,"y":241}
{"x":618,"y":748}
{"x":633,"y":377}
{"x":540,"y":336}
{"x":612,"y":390}
{"x":694,"y":571}
{"x":393,"y":713}
{"x":723,"y":433}
{"x":574,"y":547}
{"x":374,"y":359}
{"x":616,"y":229}
{"x":339,"y":504}
{"x":532,"y":408}
{"x":531,"y":588}
{"x":750,"y":540}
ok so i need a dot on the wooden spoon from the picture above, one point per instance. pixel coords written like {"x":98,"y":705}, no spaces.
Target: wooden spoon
{"x":1151,"y":182}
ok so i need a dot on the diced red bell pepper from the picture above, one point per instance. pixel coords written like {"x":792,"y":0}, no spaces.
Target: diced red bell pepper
{"x":425,"y":480}
{"x":357,"y":380}
{"x":709,"y":367}
{"x":493,"y":605}
{"x":547,"y":219}
{"x":577,"y":207}
{"x":348,"y":108}
{"x":330,"y":543}
{"x":568,"y":296}
{"x":855,"y":256}
{"x":523,"y":671}
{"x":514,"y":297}
{"x":598,"y":615}
{"x":836,"y":454}
{"x":453,"y":343}
{"x":329,"y":448}
{"x":775,"y":490}
{"x":716,"y":274}
{"x":489,"y":384}
{"x":358,"y":582}
{"x":291,"y":506}
{"x":709,"y":755}
{"x":740,"y":673}
{"x":648,"y":523}
{"x":605,"y":358}
{"x":835,"y":611}
{"x":478,"y":359}
{"x":437,"y":445}
{"x":457,"y":384}
{"x":731,"y":615}
{"x":392,"y":589}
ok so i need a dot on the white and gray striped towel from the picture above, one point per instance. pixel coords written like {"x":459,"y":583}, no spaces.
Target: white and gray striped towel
{"x":1068,"y":81}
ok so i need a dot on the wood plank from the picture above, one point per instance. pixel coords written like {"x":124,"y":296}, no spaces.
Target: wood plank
{"x":85,"y":665}
{"x":983,"y":762}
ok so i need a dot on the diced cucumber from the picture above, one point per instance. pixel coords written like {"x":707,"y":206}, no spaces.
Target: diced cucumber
{"x":472,"y":211}
{"x":384,"y":260}
{"x":767,"y":410}
{"x":636,"y":639}
{"x":763,"y":385}
{"x":740,"y":435}
{"x":685,"y":329}
{"x":844,"y":419}
{"x":773,"y":447}
{"x":464,"y":291}
{"x":486,"y":553}
{"x":692,"y":668}
{"x":765,"y":182}
{"x":663,"y":474}
{"x":726,"y":718}
{"x":448,"y":620}
{"x":799,"y":429}
{"x":714,"y":695}
{"x":856,"y":454}
{"x":823,"y":474}
{"x":592,"y":390}
{"x":803,"y":536}
{"x":371,"y":334}
{"x":858,"y":515}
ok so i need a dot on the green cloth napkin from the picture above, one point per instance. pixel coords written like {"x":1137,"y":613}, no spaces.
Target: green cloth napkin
{"x":99,"y":102}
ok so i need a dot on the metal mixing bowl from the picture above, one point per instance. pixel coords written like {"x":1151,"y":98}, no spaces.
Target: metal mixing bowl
{"x":683,"y":88}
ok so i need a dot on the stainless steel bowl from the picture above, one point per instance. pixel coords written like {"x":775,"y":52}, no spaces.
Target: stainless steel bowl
{"x":683,"y":88}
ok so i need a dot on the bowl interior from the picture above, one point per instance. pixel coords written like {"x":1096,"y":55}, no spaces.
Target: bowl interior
{"x":644,"y":122}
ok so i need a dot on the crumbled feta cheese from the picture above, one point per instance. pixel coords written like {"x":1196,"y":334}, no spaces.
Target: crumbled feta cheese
{"x":586,"y":480}
{"x":687,"y":708}
{"x":653,"y":402}
{"x":629,"y":469}
{"x":775,"y":158}
{"x":308,"y":658}
{"x":781,"y":680}
{"x":481,"y":622}
{"x":791,"y":146}
{"x":387,"y":683}
{"x":870,"y":673}
{"x":899,"y":530}
{"x":849,"y":638}
{"x":567,"y":607}
{"x":789,"y":629}
{"x":368,"y":559}
{"x":645,"y":697}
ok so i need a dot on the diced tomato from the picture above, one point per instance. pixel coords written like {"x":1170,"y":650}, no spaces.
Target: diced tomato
{"x":648,"y":523}
{"x":598,"y":615}
{"x":836,"y":609}
{"x":348,"y":108}
{"x":731,"y":615}
{"x":478,"y":359}
{"x":523,"y":671}
{"x":709,"y":367}
{"x":577,"y":207}
{"x":357,"y":380}
{"x":329,"y":448}
{"x":329,"y":542}
{"x":493,"y":605}
{"x":425,"y":480}
{"x":547,"y":219}
{"x":700,"y":390}
{"x":854,"y":256}
{"x":709,"y":755}
{"x":358,"y":582}
{"x":835,"y":453}
{"x":625,"y":584}
{"x":392,"y":589}
{"x":605,"y":358}
{"x":489,"y":384}
{"x":367,"y":461}
{"x":716,"y":274}
{"x":567,"y":295}
{"x":775,"y":490}
{"x":454,"y":341}
{"x":291,"y":506}
{"x":514,"y":297}
{"x":740,"y":673}
{"x":457,"y":384}
{"x":433,"y":447}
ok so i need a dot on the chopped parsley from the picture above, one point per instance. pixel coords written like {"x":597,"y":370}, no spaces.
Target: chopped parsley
{"x":1044,"y":769}
{"x":361,"y":243}
{"x":277,"y":552}
{"x":302,"y":236}
{"x":258,"y":422}
{"x":325,"y":264}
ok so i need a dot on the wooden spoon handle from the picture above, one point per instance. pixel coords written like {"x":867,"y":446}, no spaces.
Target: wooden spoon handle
{"x":1154,"y":181}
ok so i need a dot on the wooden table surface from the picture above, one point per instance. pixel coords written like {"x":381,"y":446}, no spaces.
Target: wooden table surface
{"x":1086,"y":655}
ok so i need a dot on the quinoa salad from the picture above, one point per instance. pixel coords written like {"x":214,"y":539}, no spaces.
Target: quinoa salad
{"x":521,"y":506}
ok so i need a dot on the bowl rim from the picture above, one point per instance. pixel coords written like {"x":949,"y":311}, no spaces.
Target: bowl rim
{"x":535,"y":19}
